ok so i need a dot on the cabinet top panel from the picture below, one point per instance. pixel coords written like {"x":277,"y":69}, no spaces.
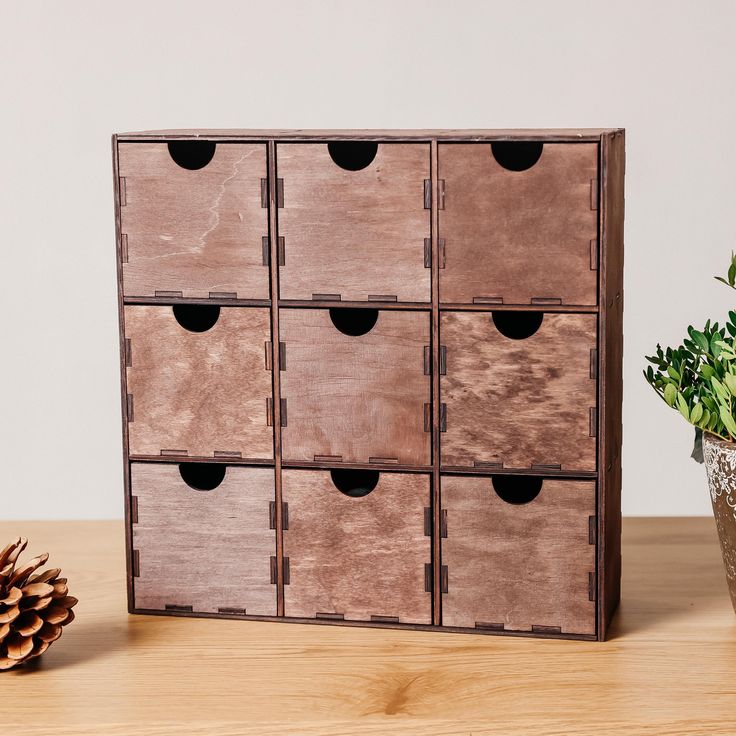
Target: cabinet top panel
{"x":552,"y":134}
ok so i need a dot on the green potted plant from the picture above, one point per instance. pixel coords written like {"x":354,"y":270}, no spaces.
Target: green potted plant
{"x":698,"y":379}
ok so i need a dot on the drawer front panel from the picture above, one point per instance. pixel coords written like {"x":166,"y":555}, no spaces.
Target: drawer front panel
{"x":519,"y":237}
{"x":355,"y":398}
{"x":354,"y":235}
{"x":203,"y":550}
{"x":515,"y":402}
{"x":357,"y":557}
{"x":519,"y":564}
{"x":194,"y":233}
{"x":198,"y":393}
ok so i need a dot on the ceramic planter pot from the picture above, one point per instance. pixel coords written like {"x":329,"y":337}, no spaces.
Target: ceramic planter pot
{"x":720,"y":464}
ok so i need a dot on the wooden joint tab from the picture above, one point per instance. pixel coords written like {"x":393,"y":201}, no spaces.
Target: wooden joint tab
{"x":427,"y":521}
{"x":267,"y":347}
{"x":123,"y":191}
{"x":287,"y":571}
{"x":265,"y":251}
{"x":283,"y":412}
{"x":274,"y":570}
{"x":328,"y":458}
{"x":383,"y":460}
{"x":592,"y":530}
{"x":443,"y":523}
{"x":546,"y":466}
{"x":282,"y":356}
{"x":487,"y":300}
{"x":441,"y":252}
{"x":264,"y":193}
{"x":428,"y":577}
{"x":173,"y":453}
{"x":427,"y":194}
{"x":594,"y":254}
{"x":269,"y":411}
{"x":133,"y":509}
{"x":279,"y":193}
{"x":281,"y":250}
{"x":328,"y":616}
{"x":443,"y":417}
{"x":383,"y":298}
{"x":428,"y":417}
{"x":128,"y":353}
{"x":594,"y":194}
{"x":444,"y":579}
{"x":593,"y":432}
{"x":443,"y":360}
{"x":135,"y":563}
{"x":223,"y":294}
{"x":486,"y":626}
{"x":232,"y":454}
{"x":124,"y":247}
{"x":168,"y":294}
{"x":227,"y":611}
{"x":385,"y":619}
{"x":440,"y":194}
{"x":326,"y":297}
{"x":427,"y":252}
{"x":546,"y":629}
{"x":594,"y":363}
{"x":177,"y":607}
{"x":284,"y":515}
{"x":546,"y":300}
{"x":591,"y":586}
{"x":488,"y":464}
{"x":427,"y":360}
{"x":129,"y":406}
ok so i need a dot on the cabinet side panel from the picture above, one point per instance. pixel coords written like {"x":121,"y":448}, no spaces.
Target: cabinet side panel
{"x":610,"y":371}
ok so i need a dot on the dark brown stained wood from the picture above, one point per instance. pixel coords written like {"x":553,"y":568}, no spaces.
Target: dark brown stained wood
{"x":204,"y":549}
{"x":522,"y":403}
{"x":355,"y":397}
{"x":376,"y":134}
{"x":356,"y":235}
{"x":518,"y":237}
{"x":518,"y":565}
{"x":610,"y":370}
{"x":199,"y":392}
{"x":194,"y":233}
{"x":358,"y":557}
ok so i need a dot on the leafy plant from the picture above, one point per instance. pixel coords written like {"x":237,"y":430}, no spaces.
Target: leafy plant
{"x":698,"y":378}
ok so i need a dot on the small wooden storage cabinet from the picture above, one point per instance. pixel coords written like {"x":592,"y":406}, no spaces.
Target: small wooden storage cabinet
{"x":373,"y":377}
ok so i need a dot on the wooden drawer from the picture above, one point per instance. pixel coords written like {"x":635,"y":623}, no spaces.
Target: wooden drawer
{"x":351,"y":397}
{"x":520,"y":554}
{"x":511,"y":401}
{"x":358,"y":234}
{"x":201,"y":538}
{"x":353,"y":552}
{"x":519,"y":236}
{"x":198,"y":387}
{"x":194,"y":232}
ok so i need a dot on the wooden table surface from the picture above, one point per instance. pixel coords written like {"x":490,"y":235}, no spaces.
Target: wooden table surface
{"x":669,"y":668}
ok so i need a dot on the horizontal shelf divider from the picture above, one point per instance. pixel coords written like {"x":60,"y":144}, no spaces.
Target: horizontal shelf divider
{"x":571,"y":308}
{"x":537,"y":472}
{"x":325,"y":304}
{"x":169,"y":300}
{"x":306,"y":465}
{"x":176,"y":459}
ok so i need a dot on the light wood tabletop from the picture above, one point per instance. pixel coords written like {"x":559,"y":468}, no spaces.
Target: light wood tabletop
{"x":668,"y":668}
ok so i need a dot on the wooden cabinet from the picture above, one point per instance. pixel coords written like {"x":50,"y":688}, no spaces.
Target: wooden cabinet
{"x":354,"y":223}
{"x":519,"y":223}
{"x":373,"y":377}
{"x":519,"y":390}
{"x":356,"y":545}
{"x":355,"y":386}
{"x":199,"y":383}
{"x":520,"y":554}
{"x":194,"y":219}
{"x":202,"y":540}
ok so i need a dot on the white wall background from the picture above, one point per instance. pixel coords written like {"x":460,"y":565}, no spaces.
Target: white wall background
{"x":73,"y":72}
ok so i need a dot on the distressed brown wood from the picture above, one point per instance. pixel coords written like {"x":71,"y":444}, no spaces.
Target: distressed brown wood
{"x":357,"y":558}
{"x":208,"y":550}
{"x":354,"y":235}
{"x":610,"y":396}
{"x":519,"y":567}
{"x":518,"y":237}
{"x":198,"y":393}
{"x":355,"y":398}
{"x":194,"y":233}
{"x":518,"y":403}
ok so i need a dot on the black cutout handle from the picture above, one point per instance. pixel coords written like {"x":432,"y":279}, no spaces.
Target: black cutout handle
{"x":355,"y":483}
{"x":517,"y":155}
{"x":353,"y":321}
{"x":202,"y":476}
{"x":192,"y":155}
{"x":196,"y":317}
{"x":517,"y":489}
{"x":517,"y":325}
{"x":352,"y":155}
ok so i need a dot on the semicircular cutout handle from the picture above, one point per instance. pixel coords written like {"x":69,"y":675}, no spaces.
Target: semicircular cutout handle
{"x":517,"y":325}
{"x":196,"y":317}
{"x":517,"y":155}
{"x":354,"y":483}
{"x":352,"y":155}
{"x":202,"y":476}
{"x":353,"y":321}
{"x":517,"y":489}
{"x":192,"y":155}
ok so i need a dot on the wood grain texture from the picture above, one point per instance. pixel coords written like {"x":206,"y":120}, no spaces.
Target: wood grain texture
{"x":204,"y":549}
{"x":195,"y":232}
{"x":516,"y":236}
{"x":611,"y":370}
{"x":357,"y":557}
{"x":359,"y":234}
{"x":519,"y":402}
{"x":666,"y":669}
{"x":201,"y":393}
{"x":356,"y":397}
{"x":519,"y":566}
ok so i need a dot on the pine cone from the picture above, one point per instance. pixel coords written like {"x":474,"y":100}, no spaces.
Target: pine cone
{"x":33,"y":608}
